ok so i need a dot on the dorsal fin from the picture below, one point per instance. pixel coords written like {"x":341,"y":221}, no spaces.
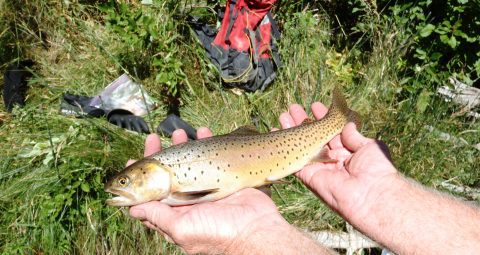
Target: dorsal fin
{"x":193,"y":195}
{"x":339,"y":108}
{"x":245,"y":130}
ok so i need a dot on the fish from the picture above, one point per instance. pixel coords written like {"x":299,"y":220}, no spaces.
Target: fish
{"x":213,"y":168}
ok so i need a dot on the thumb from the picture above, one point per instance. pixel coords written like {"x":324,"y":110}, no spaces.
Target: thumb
{"x":323,"y":180}
{"x":155,"y":212}
{"x":352,"y":139}
{"x":313,"y":175}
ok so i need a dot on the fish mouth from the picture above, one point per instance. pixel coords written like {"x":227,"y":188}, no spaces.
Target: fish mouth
{"x":123,"y":198}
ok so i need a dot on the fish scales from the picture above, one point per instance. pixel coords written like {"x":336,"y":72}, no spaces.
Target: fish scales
{"x":211,"y":168}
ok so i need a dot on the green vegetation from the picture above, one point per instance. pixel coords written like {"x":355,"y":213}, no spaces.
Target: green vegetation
{"x":389,"y":59}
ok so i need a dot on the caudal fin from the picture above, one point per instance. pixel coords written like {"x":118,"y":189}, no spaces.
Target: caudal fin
{"x":339,"y":106}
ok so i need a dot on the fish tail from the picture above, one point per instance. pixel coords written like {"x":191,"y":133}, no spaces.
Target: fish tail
{"x":339,"y":108}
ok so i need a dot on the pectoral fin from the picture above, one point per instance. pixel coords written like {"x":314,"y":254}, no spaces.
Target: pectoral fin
{"x":270,"y":180}
{"x":265,"y":189}
{"x":245,"y":130}
{"x":193,"y":195}
{"x":323,"y":157}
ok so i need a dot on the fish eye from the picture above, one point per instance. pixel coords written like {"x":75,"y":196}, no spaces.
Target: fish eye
{"x":123,"y":181}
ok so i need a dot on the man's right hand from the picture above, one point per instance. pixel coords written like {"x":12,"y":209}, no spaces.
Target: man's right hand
{"x":363,"y":173}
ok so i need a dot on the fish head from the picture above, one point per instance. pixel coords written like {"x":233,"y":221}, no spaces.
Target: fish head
{"x":143,"y":181}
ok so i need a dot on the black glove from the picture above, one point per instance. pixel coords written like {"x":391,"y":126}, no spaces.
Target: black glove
{"x":126,"y":119}
{"x":173,"y":122}
{"x":15,"y":88}
{"x":80,"y":105}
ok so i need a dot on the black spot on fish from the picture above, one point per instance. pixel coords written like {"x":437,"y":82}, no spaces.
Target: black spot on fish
{"x":144,"y":172}
{"x":201,"y":172}
{"x":195,"y":178}
{"x":189,"y":168}
{"x":218,"y":180}
{"x":250,"y":173}
{"x":185,"y":174}
{"x":236,"y":177}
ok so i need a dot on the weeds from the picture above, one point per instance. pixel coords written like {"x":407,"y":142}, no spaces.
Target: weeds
{"x":52,"y":167}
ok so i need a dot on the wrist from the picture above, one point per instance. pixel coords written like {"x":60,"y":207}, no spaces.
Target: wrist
{"x":259,"y":235}
{"x":382,"y":193}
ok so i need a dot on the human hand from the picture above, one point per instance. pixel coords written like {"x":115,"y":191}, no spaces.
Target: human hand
{"x":216,"y":227}
{"x":363,"y":173}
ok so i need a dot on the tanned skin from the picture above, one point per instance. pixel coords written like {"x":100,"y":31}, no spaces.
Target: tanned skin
{"x":364,"y":188}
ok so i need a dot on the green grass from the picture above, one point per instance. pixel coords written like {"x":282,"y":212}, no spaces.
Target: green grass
{"x":52,"y":167}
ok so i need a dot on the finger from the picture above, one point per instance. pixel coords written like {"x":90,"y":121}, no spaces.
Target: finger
{"x":324,"y":180}
{"x":179,"y":136}
{"x":204,"y":132}
{"x":151,"y":226}
{"x":307,"y":173}
{"x":128,"y":125}
{"x":118,"y":123}
{"x":144,"y":127}
{"x":274,"y":129}
{"x":130,"y":161}
{"x":159,"y":214}
{"x":152,"y":144}
{"x":319,"y":110}
{"x":352,"y":139}
{"x":286,"y":120}
{"x":298,"y":113}
{"x":335,"y":143}
{"x":136,"y":127}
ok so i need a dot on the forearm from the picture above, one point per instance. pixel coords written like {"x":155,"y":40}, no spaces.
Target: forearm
{"x":280,"y":238}
{"x":408,"y":219}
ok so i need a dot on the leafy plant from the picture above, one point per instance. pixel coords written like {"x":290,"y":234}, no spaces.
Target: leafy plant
{"x":152,"y":43}
{"x":445,"y":36}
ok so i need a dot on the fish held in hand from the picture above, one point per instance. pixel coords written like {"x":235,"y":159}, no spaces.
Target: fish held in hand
{"x":213,"y":168}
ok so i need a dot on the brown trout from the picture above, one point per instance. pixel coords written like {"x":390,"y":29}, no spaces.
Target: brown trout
{"x":213,"y":168}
